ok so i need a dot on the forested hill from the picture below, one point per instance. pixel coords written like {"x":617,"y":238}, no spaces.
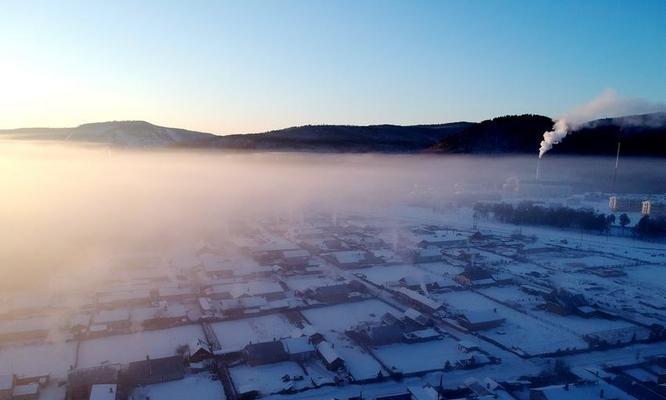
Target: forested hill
{"x":641,"y":135}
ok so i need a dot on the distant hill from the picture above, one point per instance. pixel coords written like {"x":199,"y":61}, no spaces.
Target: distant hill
{"x":116,"y":133}
{"x":508,"y":134}
{"x":641,"y":135}
{"x":343,"y":138}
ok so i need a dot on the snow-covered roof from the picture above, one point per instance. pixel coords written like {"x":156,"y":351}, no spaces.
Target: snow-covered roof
{"x":6,"y":382}
{"x":23,"y":325}
{"x":256,"y":288}
{"x":175,"y":291}
{"x":423,"y":334}
{"x":124,"y":295}
{"x":481,"y":316}
{"x":419,"y":298}
{"x":298,"y":345}
{"x":107,"y":316}
{"x":103,"y":392}
{"x":414,"y":315}
{"x":583,"y":392}
{"x":25,"y":390}
{"x":349,"y":256}
{"x":423,"y":393}
{"x":296,"y":253}
{"x":326,"y":350}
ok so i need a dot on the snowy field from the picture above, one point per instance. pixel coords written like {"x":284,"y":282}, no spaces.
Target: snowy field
{"x":580,"y":325}
{"x":379,"y":275}
{"x":519,"y":331}
{"x":235,"y":335}
{"x":417,"y":357}
{"x":37,"y":359}
{"x":344,"y":316}
{"x":653,"y":276}
{"x":303,"y":283}
{"x":441,"y":268}
{"x":135,"y":347}
{"x":267,"y":379}
{"x":334,"y":320}
{"x":200,"y":387}
{"x":512,"y":295}
{"x":361,"y":364}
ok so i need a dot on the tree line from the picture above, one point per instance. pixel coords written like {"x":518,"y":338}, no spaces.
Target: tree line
{"x":527,"y":213}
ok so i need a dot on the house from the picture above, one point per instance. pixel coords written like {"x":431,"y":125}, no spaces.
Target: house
{"x":28,"y":391}
{"x":427,"y":255}
{"x":329,"y":356}
{"x":440,"y":238}
{"x":124,"y":298}
{"x":221,"y":292}
{"x":383,"y":335}
{"x":104,"y":392}
{"x":6,"y":386}
{"x":415,"y":317}
{"x":417,"y":300}
{"x":422,"y":335}
{"x":265,"y":353}
{"x":350,"y":258}
{"x":200,"y":350}
{"x":582,"y":391}
{"x":273,"y":251}
{"x":660,"y":372}
{"x":480,"y":319}
{"x":333,"y":293}
{"x":426,"y":392}
{"x":467,"y":346}
{"x":502,"y":278}
{"x":81,"y":381}
{"x":175,"y":293}
{"x":269,"y":290}
{"x":157,"y":370}
{"x":474,"y":276}
{"x":296,"y":258}
{"x":164,"y":316}
{"x":299,"y":348}
{"x":113,"y":320}
{"x":216,"y":266}
{"x":24,"y":329}
{"x":79,"y":323}
{"x":563,"y":302}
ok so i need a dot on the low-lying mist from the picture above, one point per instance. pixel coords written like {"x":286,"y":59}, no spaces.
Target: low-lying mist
{"x":66,"y":210}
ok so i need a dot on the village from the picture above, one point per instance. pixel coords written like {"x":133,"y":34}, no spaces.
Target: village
{"x":330,"y":305}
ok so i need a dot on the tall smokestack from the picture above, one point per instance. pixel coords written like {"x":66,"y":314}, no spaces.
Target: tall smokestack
{"x":617,"y":163}
{"x":538,"y":169}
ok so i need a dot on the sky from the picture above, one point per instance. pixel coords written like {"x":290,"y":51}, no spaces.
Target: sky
{"x":251,"y":66}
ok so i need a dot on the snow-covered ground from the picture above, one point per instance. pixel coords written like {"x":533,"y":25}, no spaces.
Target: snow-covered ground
{"x":235,"y":335}
{"x":332,"y":322}
{"x":344,"y":316}
{"x":200,"y":387}
{"x":136,"y":346}
{"x":268,"y":379}
{"x":417,"y":357}
{"x":519,"y":330}
{"x":30,"y":360}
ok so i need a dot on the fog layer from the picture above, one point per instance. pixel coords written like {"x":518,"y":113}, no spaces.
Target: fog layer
{"x":66,"y":210}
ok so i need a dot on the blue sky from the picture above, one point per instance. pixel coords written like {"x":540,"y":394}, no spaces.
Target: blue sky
{"x":247,"y":66}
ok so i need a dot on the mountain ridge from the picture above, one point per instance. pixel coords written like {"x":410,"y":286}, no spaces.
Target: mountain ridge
{"x":643,"y":134}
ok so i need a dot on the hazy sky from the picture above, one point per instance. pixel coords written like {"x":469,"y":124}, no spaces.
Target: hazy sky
{"x":236,"y":67}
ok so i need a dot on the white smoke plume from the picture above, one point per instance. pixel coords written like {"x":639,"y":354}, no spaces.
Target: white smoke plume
{"x":608,"y":104}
